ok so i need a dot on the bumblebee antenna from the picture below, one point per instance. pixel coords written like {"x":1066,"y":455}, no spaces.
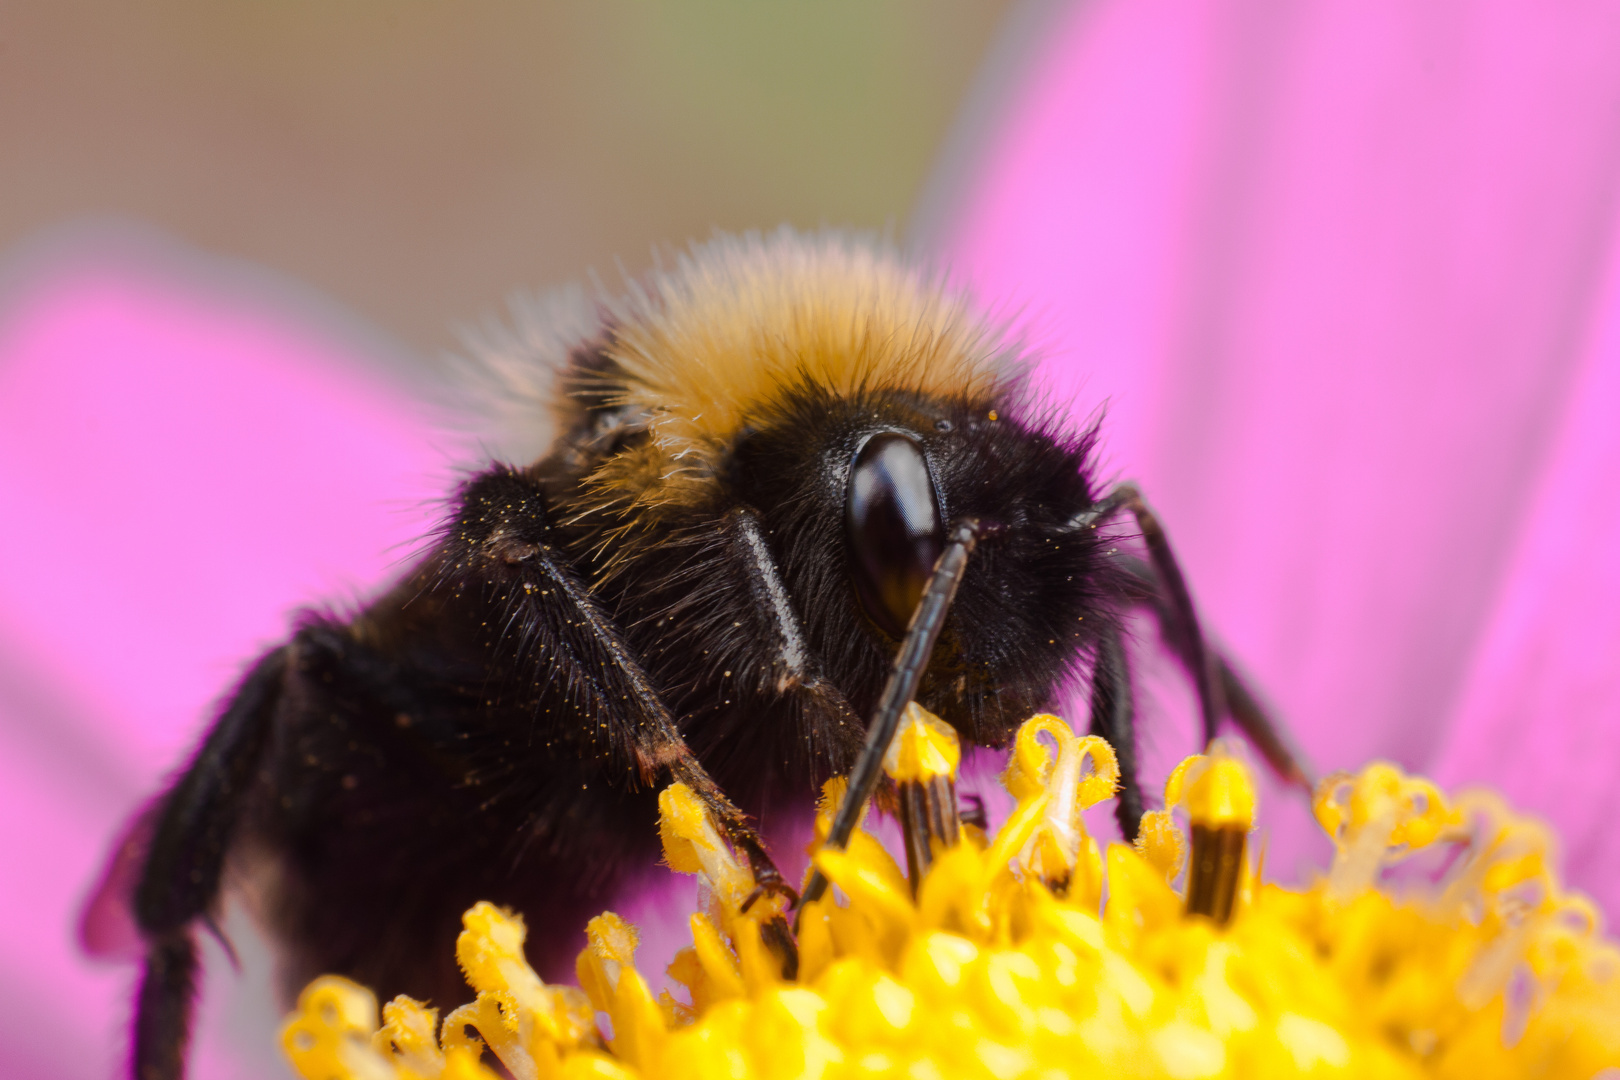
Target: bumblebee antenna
{"x":915,"y":651}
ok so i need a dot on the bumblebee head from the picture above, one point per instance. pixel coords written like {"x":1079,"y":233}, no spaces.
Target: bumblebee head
{"x":858,"y":406}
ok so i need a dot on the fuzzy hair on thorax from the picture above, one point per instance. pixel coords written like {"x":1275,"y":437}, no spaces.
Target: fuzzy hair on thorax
{"x":703,"y":350}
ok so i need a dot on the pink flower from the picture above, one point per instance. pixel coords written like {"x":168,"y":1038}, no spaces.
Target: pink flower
{"x":1347,"y":277}
{"x":187,"y":456}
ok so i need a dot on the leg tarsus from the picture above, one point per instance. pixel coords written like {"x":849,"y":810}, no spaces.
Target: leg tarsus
{"x":971,"y":811}
{"x":1253,"y":719}
{"x":163,"y":1008}
{"x":779,"y":939}
{"x":768,"y":881}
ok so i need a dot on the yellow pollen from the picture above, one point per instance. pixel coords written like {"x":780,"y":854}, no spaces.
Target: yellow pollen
{"x":1008,"y":961}
{"x":1218,"y":792}
{"x":924,"y":747}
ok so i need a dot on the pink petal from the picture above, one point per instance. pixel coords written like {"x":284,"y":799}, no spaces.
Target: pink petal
{"x":1540,"y":715}
{"x":181,"y":467}
{"x":1332,"y":268}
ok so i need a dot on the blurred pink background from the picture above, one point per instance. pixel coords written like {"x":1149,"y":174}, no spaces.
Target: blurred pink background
{"x":1347,"y":277}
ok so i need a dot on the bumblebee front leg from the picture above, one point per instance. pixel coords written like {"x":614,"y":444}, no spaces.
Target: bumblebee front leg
{"x":781,"y":648}
{"x":180,"y":880}
{"x":502,"y":542}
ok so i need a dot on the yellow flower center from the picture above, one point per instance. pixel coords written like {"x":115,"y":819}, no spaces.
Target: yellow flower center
{"x":1033,"y":953}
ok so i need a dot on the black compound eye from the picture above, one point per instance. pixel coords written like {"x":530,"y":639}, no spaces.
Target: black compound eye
{"x":894,"y":529}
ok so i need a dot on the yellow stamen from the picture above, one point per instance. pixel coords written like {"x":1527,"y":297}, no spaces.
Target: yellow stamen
{"x":924,"y":747}
{"x":1220,"y":800}
{"x":1059,"y":851}
{"x":922,"y":762}
{"x":1486,"y":968}
{"x":1218,"y":793}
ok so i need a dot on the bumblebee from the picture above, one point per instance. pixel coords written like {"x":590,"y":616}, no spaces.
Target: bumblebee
{"x":723,"y":571}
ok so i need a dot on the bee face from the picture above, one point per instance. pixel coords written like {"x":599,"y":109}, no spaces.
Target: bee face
{"x":857,"y":493}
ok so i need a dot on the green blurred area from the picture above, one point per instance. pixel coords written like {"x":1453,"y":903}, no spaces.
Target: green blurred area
{"x":420,"y":159}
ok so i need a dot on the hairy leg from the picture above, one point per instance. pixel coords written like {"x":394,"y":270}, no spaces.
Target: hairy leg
{"x":1113,"y":717}
{"x":180,"y":880}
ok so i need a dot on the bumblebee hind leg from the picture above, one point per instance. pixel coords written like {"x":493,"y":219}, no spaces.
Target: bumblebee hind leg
{"x":180,"y":879}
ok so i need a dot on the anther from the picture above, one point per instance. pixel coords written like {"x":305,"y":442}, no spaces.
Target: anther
{"x":922,"y":761}
{"x":1220,"y":801}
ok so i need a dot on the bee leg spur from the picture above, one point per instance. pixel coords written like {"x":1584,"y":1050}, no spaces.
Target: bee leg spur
{"x":180,"y":880}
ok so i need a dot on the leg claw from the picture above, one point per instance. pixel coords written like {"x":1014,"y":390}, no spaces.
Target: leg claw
{"x":770,"y":883}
